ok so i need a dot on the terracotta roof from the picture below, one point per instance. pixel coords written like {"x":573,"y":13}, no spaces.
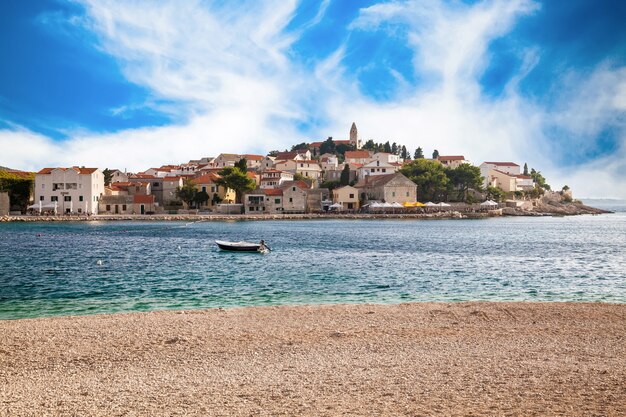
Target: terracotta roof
{"x":206,"y":178}
{"x":451,"y":158}
{"x":357,"y":154}
{"x":273,"y":191}
{"x":254,"y":157}
{"x":145,"y":176}
{"x":286,"y":155}
{"x":299,"y":184}
{"x":251,"y":175}
{"x":524,"y":177}
{"x":80,"y":170}
{"x":123,"y":184}
{"x":143,"y":199}
{"x":315,"y":144}
{"x":503,"y":164}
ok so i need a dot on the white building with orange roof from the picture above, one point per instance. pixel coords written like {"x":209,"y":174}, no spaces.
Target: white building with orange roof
{"x":274,"y":178}
{"x":71,"y":190}
{"x":452,"y":161}
{"x":358,"y":157}
{"x":510,"y":168}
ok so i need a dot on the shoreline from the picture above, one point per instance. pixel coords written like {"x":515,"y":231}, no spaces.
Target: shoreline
{"x":518,"y":358}
{"x":435,"y":215}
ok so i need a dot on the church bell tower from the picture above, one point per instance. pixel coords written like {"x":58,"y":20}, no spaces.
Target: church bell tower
{"x":354,"y":137}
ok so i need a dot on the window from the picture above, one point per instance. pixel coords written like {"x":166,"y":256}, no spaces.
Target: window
{"x":351,"y":195}
{"x":57,"y":186}
{"x":67,"y":198}
{"x":123,"y":207}
{"x":277,"y":201}
{"x":293,"y":189}
{"x":373,"y":170}
{"x":80,"y":198}
{"x":155,"y":184}
{"x":384,"y":169}
{"x":54,"y":198}
{"x":40,"y":198}
{"x":407,"y":193}
{"x":393,"y":193}
{"x":290,"y":200}
{"x":204,"y":189}
{"x":108,"y":207}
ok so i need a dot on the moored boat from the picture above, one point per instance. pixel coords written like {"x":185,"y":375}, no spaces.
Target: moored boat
{"x":238,"y":246}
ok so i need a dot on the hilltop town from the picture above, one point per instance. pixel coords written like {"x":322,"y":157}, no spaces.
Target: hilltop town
{"x":317,"y":177}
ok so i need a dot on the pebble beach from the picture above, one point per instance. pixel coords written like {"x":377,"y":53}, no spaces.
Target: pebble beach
{"x":470,"y":358}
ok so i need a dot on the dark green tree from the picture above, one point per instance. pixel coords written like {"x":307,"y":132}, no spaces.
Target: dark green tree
{"x":394,"y":148}
{"x":403,"y":153}
{"x":187,"y":193}
{"x":108,"y":176}
{"x":435,"y":154}
{"x":419,"y":153}
{"x":387,"y":147}
{"x":201,"y":197}
{"x":331,"y":185}
{"x":299,"y":146}
{"x":369,"y":145}
{"x":494,"y":193}
{"x":345,"y":175}
{"x":328,"y":146}
{"x":19,"y":187}
{"x":525,"y":168}
{"x":242,"y":164}
{"x":463,"y":178}
{"x":235,"y":179}
{"x":430,"y":177}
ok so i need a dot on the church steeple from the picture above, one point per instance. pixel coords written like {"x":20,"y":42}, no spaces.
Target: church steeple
{"x":354,"y":137}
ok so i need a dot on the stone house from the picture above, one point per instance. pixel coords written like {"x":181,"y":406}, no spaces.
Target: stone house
{"x":387,"y":188}
{"x":347,"y":196}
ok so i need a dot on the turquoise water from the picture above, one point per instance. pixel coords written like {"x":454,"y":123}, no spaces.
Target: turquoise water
{"x":51,"y":268}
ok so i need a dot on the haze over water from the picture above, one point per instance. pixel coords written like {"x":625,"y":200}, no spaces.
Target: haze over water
{"x":49,"y":269}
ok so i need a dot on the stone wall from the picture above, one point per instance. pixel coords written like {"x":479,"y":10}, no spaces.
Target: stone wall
{"x":4,"y":204}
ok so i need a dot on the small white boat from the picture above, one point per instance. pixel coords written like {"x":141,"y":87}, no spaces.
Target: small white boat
{"x":241,"y":246}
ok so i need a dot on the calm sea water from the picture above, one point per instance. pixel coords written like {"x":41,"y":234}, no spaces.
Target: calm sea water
{"x":51,"y":268}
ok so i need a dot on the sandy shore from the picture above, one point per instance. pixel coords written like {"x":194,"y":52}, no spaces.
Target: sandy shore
{"x":410,"y":359}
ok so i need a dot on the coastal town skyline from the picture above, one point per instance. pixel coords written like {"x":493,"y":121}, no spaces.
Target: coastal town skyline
{"x":130,"y":86}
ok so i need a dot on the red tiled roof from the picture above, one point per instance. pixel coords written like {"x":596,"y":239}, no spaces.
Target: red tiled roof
{"x":143,"y":199}
{"x":286,"y":155}
{"x":253,"y":157}
{"x":273,"y":191}
{"x":80,"y":170}
{"x":357,"y":154}
{"x":503,"y":164}
{"x":206,"y":178}
{"x":524,"y":177}
{"x":451,"y":158}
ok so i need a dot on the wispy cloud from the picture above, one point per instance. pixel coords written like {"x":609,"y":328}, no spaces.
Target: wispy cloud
{"x":235,"y":86}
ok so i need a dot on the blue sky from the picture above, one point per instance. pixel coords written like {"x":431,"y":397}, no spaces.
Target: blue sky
{"x":138,"y":84}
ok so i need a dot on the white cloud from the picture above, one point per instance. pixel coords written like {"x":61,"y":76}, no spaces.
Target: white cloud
{"x":238,"y":89}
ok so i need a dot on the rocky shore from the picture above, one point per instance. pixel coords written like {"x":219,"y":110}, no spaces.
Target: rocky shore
{"x":448,"y":359}
{"x":541,"y":208}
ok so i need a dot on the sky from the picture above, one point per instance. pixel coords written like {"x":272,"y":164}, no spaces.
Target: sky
{"x":137,"y":84}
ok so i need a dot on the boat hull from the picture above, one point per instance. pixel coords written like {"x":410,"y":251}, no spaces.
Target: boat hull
{"x":238,"y":246}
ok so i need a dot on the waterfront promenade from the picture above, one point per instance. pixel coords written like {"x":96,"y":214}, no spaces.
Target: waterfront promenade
{"x":406,"y":359}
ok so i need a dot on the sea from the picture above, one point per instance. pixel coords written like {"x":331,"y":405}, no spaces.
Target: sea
{"x":81,"y":268}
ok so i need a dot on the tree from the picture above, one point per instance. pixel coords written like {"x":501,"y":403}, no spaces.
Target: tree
{"x":403,"y":153}
{"x":430,"y":177}
{"x":539,"y":179}
{"x":331,"y":185}
{"x":465,"y":177}
{"x":19,"y":186}
{"x":494,"y":193}
{"x":108,"y":176}
{"x":242,"y":164}
{"x":525,"y":168}
{"x":387,"y":147}
{"x":299,"y":146}
{"x":394,"y":148}
{"x":435,"y":154}
{"x":235,"y":179}
{"x":345,"y":175}
{"x":201,"y":197}
{"x":187,"y":193}
{"x":369,"y":145}
{"x":418,"y":153}
{"x":565,"y":188}
{"x":328,"y":146}
{"x":273,"y":153}
{"x":342,"y":148}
